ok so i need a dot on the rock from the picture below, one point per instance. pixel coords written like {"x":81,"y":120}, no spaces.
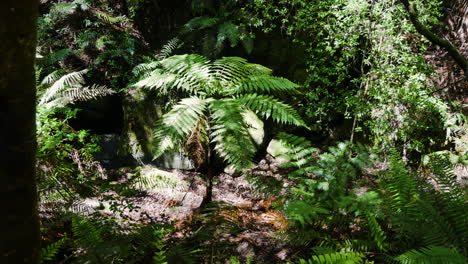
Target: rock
{"x":245,"y":250}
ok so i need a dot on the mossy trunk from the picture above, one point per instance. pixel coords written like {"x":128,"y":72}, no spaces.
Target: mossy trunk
{"x":19,"y":224}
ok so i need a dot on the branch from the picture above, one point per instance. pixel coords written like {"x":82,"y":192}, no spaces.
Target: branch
{"x":432,"y":37}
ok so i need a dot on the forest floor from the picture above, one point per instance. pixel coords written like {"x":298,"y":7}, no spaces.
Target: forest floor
{"x":172,"y":197}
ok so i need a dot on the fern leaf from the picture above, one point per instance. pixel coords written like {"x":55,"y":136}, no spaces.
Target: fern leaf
{"x":86,"y":233}
{"x":198,"y":23}
{"x":229,"y":133}
{"x":52,"y":77}
{"x":169,"y":48}
{"x":73,"y":95}
{"x":227,"y":31}
{"x":335,"y":258}
{"x":268,"y":106}
{"x":433,"y":255}
{"x":185,"y":72}
{"x":264,"y":84}
{"x":376,"y":232}
{"x":176,"y":125}
{"x":70,"y":80}
{"x":50,"y":252}
{"x":146,"y":68}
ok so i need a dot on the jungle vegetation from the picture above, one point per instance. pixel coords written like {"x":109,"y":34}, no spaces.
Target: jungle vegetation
{"x":234,"y":131}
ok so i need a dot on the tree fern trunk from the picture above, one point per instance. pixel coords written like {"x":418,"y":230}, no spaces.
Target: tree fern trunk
{"x":210,"y":172}
{"x":19,"y":224}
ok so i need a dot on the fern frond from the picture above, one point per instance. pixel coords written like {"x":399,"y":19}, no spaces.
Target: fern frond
{"x":335,"y":258}
{"x":376,"y":232}
{"x":198,"y":23}
{"x":268,"y":106}
{"x":50,"y":252}
{"x":446,"y":178}
{"x":169,"y":48}
{"x":176,"y":125}
{"x":402,"y":185}
{"x":70,"y":80}
{"x":264,"y":84}
{"x":107,"y":18}
{"x":73,"y":95}
{"x":431,"y":255}
{"x":149,"y":178}
{"x":185,"y":72}
{"x":55,"y":57}
{"x":230,"y":70}
{"x":229,"y":133}
{"x":298,"y":150}
{"x":227,"y":31}
{"x":52,"y":77}
{"x":146,"y":68}
{"x":86,"y":233}
{"x":63,"y":9}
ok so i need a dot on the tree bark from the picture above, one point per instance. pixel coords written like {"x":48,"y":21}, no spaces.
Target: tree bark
{"x":432,"y":37}
{"x":19,"y":224}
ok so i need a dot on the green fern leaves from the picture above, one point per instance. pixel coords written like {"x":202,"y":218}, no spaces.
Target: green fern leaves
{"x":433,"y":255}
{"x":336,"y":258}
{"x":61,"y":88}
{"x":220,"y":93}
{"x":270,"y":107}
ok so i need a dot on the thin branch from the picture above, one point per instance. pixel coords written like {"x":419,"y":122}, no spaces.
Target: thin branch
{"x":432,"y":37}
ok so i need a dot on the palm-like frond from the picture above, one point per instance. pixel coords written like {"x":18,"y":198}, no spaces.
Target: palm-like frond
{"x":175,"y":126}
{"x":229,"y":132}
{"x":68,"y":88}
{"x":70,"y":80}
{"x":145,"y":69}
{"x":169,"y":48}
{"x":73,"y":95}
{"x":184,"y":72}
{"x":264,"y":84}
{"x":270,"y":107}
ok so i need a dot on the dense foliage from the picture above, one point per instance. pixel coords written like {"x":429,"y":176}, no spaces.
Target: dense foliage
{"x":366,"y":142}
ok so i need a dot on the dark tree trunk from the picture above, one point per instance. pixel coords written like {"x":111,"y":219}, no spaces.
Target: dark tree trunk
{"x":210,"y":173}
{"x":19,"y":224}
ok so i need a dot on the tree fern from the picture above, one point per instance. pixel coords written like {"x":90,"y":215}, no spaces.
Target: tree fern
{"x":216,"y":105}
{"x":214,"y":81}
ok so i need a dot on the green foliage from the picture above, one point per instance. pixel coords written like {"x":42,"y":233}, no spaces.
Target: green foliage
{"x":89,"y":34}
{"x":59,"y":89}
{"x":50,"y":252}
{"x":433,"y":254}
{"x":66,"y":167}
{"x":216,"y":28}
{"x":425,"y":215}
{"x":406,"y":216}
{"x":335,"y":258}
{"x":365,"y":63}
{"x":221,"y":92}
